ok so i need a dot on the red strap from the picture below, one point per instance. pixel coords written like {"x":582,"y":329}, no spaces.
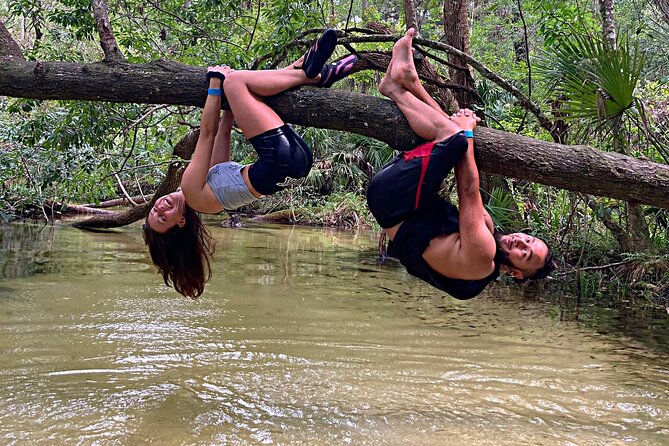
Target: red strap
{"x":423,"y":151}
{"x":420,"y":151}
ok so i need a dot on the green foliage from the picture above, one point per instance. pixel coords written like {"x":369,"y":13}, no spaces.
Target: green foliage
{"x":562,"y":19}
{"x":502,"y":209}
{"x":597,"y":82}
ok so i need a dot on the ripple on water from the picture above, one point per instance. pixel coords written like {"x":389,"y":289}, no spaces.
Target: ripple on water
{"x":301,"y":338}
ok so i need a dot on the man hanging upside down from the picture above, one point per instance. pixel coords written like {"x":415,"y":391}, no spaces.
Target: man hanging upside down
{"x":455,"y":251}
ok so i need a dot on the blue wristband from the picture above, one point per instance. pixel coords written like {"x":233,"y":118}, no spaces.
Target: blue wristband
{"x":469,"y":134}
{"x":214,"y":91}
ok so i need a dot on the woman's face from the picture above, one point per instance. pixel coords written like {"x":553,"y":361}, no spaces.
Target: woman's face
{"x":167,"y":212}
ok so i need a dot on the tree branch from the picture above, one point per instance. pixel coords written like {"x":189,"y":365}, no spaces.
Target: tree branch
{"x":107,"y":41}
{"x":577,"y":168}
{"x":9,"y":49}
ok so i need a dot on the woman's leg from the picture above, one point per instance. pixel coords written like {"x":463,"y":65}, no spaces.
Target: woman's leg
{"x":244,"y":91}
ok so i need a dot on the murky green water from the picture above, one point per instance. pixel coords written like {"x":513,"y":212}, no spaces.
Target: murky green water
{"x":301,"y":338}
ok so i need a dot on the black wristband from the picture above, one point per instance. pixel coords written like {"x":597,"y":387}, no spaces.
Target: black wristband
{"x":215,"y":74}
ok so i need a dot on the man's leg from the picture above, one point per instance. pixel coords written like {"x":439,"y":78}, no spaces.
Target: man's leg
{"x":407,"y":72}
{"x":428,"y":122}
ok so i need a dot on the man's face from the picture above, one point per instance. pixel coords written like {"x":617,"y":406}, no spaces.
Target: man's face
{"x":167,"y":212}
{"x":521,"y":253}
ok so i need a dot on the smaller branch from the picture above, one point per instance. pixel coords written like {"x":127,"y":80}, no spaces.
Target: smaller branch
{"x":117,"y":202}
{"x":348,"y":16}
{"x":441,"y":60}
{"x":255,"y":26}
{"x":146,"y":114}
{"x":594,"y":268}
{"x":54,"y":206}
{"x":125,"y":192}
{"x":107,"y":40}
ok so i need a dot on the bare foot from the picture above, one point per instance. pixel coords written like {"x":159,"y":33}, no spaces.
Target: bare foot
{"x":224,"y":69}
{"x":404,"y":70}
{"x":297,"y":65}
{"x":386,"y":86}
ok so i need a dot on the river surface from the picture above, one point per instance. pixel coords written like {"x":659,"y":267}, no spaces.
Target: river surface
{"x":303,"y":338}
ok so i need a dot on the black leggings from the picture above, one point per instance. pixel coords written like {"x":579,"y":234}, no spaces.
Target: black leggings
{"x":283,"y":156}
{"x":397,"y":190}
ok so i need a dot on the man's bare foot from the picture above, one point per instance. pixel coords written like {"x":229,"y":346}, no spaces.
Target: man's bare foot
{"x":387,"y":85}
{"x":404,"y":70}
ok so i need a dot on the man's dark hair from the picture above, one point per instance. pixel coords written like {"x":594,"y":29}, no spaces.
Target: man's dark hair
{"x":182,"y":254}
{"x":546,"y":269}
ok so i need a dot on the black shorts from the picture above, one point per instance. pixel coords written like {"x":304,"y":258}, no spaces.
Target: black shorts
{"x":413,"y":179}
{"x":283,"y":156}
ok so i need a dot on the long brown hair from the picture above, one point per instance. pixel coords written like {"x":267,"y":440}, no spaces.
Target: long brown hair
{"x":182,"y":254}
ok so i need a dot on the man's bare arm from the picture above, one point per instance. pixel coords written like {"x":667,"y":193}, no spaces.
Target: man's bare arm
{"x":477,"y":244}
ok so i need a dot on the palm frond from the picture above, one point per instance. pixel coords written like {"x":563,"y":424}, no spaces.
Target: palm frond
{"x":501,"y":206}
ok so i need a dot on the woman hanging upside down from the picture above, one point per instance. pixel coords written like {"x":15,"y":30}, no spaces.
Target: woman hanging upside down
{"x":179,"y":244}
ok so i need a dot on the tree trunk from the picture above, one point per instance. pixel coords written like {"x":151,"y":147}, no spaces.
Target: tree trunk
{"x":410,"y":15}
{"x":456,"y":29}
{"x":577,"y":168}
{"x":637,"y":235}
{"x":663,"y":6}
{"x":608,"y":23}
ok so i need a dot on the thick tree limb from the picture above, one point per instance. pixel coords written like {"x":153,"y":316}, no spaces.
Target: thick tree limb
{"x":577,"y":168}
{"x":478,"y":66}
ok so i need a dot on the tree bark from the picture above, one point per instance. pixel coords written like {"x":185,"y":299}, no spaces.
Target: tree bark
{"x":456,"y":29}
{"x":608,"y":23}
{"x":9,"y":49}
{"x":577,"y":168}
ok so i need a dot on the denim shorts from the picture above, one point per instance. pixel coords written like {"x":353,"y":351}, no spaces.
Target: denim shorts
{"x":228,"y":186}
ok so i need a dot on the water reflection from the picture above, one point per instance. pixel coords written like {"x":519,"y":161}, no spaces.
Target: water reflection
{"x":302,"y":338}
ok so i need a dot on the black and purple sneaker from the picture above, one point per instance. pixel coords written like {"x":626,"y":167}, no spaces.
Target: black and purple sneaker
{"x":315,"y":58}
{"x":334,"y":72}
